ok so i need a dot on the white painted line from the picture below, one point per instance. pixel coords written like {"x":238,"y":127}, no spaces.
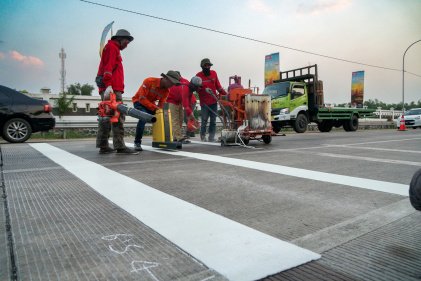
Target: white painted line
{"x":388,"y":161}
{"x":370,"y":142}
{"x":376,"y":148}
{"x":232,"y":249}
{"x":389,"y":187}
{"x":206,"y":143}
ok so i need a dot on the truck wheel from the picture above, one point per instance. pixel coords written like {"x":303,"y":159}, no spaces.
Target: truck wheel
{"x":267,"y":139}
{"x":325,"y":126}
{"x":16,"y":130}
{"x":300,"y":123}
{"x":352,"y":124}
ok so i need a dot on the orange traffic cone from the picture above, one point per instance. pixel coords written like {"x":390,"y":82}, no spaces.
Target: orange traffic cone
{"x":402,"y":126}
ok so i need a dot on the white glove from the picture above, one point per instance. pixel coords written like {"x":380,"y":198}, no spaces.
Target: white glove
{"x":107,"y":92}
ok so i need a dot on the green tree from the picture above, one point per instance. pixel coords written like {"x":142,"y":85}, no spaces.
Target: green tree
{"x":63,"y":103}
{"x":86,"y":90}
{"x":80,"y":90}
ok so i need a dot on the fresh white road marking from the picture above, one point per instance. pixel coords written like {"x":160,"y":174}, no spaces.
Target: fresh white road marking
{"x":389,"y":161}
{"x":232,"y":249}
{"x":206,"y":143}
{"x":350,"y":146}
{"x":389,"y":187}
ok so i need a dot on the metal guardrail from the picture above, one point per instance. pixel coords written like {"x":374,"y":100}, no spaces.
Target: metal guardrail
{"x":87,"y":124}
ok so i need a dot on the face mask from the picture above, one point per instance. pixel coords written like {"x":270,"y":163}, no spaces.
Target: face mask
{"x":193,"y":88}
{"x":206,"y":71}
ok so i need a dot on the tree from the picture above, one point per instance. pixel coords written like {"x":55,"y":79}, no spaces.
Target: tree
{"x":63,"y":103}
{"x":80,"y":90}
{"x":86,"y":90}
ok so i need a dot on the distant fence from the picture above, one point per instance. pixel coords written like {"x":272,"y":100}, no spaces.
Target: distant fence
{"x":389,"y":114}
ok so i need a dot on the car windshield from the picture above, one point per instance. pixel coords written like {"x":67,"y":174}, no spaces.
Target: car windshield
{"x":277,"y":90}
{"x":413,"y":112}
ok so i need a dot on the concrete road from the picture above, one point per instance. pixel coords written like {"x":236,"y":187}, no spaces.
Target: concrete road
{"x":341,"y":197}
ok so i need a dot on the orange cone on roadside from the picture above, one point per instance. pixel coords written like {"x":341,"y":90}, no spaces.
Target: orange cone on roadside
{"x":402,"y":126}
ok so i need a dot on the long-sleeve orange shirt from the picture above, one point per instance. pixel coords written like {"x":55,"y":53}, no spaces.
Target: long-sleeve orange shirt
{"x":150,"y":92}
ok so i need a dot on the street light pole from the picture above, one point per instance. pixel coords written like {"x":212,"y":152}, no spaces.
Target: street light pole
{"x":403,"y":77}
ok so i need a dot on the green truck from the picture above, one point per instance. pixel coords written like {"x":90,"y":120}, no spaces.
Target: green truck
{"x":297,"y":99}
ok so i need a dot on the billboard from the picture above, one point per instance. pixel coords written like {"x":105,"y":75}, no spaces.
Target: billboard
{"x":357,"y":89}
{"x":271,"y":68}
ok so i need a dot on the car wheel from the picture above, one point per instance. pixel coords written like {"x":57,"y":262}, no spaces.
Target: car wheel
{"x":16,"y":130}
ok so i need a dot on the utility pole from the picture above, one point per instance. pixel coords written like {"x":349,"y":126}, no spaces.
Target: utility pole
{"x":62,"y":56}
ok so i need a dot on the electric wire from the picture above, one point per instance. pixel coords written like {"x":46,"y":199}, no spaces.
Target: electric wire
{"x":246,"y":38}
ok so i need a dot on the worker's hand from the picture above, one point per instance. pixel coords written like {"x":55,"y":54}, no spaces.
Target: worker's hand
{"x":191,"y":117}
{"x":107,"y":92}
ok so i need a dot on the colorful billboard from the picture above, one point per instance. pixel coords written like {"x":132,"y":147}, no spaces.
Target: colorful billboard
{"x":357,"y":89}
{"x":271,"y":68}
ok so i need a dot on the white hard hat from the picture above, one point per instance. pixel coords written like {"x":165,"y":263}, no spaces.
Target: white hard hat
{"x":197,"y":81}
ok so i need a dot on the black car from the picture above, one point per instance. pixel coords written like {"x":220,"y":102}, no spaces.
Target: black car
{"x":20,"y":115}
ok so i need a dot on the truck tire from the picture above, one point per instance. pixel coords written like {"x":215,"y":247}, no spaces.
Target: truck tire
{"x":325,"y":126}
{"x":352,"y":124}
{"x":17,"y":130}
{"x":300,"y":123}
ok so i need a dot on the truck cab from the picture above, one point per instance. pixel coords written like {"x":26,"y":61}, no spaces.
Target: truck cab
{"x":287,"y":99}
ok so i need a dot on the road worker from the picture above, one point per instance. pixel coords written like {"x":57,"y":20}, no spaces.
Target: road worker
{"x":151,"y":91}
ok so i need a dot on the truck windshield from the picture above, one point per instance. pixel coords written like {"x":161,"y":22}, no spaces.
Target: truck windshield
{"x":277,"y":90}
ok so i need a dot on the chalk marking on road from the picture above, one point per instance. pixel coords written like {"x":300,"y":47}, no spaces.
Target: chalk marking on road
{"x":389,"y":187}
{"x":232,"y":249}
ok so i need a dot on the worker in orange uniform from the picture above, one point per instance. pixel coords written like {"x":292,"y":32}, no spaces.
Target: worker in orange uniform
{"x":208,"y":103}
{"x":151,"y":91}
{"x":179,"y":97}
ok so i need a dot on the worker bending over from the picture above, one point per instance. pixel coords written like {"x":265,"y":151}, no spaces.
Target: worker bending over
{"x":151,"y":91}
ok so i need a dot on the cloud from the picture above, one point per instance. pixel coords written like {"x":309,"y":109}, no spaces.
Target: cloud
{"x":259,"y":6}
{"x":322,"y":6}
{"x":26,"y":60}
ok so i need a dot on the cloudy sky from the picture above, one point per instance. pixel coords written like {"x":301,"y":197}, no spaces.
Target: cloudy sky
{"x":374,"y":33}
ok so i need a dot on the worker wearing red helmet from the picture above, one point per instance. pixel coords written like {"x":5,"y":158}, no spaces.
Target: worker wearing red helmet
{"x":208,"y":103}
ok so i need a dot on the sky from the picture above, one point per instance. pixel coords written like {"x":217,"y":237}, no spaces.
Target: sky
{"x":377,"y":32}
